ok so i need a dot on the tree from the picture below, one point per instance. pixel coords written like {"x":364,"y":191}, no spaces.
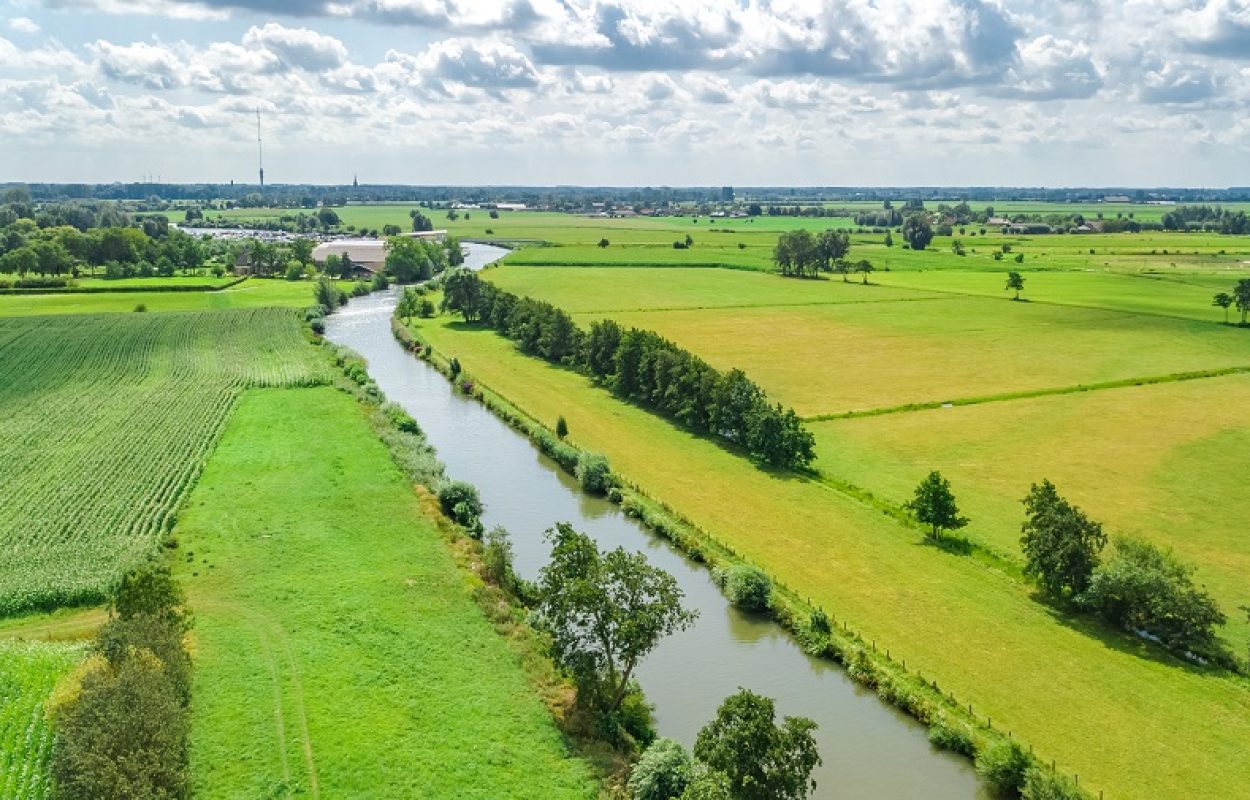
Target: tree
{"x":842,"y":267}
{"x":1015,"y":281}
{"x":760,"y":759}
{"x":832,"y":246}
{"x":1145,"y":588}
{"x":420,"y":222}
{"x":562,"y":428}
{"x":934,"y":505}
{"x":460,"y":502}
{"x":302,"y":250}
{"x":604,"y":243}
{"x":889,"y":239}
{"x":325,"y":293}
{"x":605,"y":612}
{"x":407,"y":259}
{"x":864,"y":267}
{"x":917,"y":231}
{"x":462,"y":291}
{"x":407,"y":306}
{"x":796,"y":252}
{"x":455,"y":253}
{"x":1241,"y":298}
{"x":1061,"y":544}
{"x":662,"y":773}
{"x":1223,"y":300}
{"x":957,"y":247}
{"x":327,"y":217}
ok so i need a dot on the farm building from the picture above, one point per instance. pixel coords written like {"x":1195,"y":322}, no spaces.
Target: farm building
{"x":368,"y":255}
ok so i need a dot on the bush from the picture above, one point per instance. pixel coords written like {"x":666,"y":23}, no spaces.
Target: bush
{"x":1041,"y":784}
{"x":820,"y":622}
{"x":460,"y":501}
{"x":748,"y":588}
{"x":454,"y":368}
{"x":318,"y":326}
{"x":497,"y":558}
{"x":401,"y":419}
{"x":1004,"y":766}
{"x":593,"y":473}
{"x":662,"y":773}
{"x":426,"y":309}
{"x":360,"y":289}
{"x":562,"y":428}
{"x":1144,"y":588}
{"x":952,"y":736}
{"x":140,"y":308}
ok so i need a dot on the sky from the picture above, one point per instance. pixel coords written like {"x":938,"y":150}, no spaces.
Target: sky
{"x":629,"y":92}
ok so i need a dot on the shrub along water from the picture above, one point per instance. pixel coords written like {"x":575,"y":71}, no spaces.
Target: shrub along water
{"x":643,"y":367}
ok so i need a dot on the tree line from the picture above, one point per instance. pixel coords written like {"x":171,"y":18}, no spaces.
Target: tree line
{"x":643,"y":367}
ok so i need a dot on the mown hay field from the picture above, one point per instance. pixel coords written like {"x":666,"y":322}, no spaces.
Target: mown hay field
{"x":339,"y":652}
{"x":107,"y":420}
{"x":1164,"y":462}
{"x":28,"y":673}
{"x":1130,"y":721}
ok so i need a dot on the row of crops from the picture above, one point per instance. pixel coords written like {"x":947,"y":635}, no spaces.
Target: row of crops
{"x":106,"y":420}
{"x":28,"y":671}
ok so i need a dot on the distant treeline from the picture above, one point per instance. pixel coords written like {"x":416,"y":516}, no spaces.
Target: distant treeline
{"x":643,"y":367}
{"x":1211,"y":219}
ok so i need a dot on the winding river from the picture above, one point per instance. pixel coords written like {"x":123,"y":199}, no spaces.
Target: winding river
{"x":870,"y":750}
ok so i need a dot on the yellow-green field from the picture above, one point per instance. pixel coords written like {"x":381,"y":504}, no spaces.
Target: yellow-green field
{"x":850,"y":347}
{"x":1134,"y":723}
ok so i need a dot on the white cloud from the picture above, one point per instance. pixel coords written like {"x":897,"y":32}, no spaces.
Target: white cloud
{"x":23,"y":25}
{"x":151,"y":65}
{"x":298,"y":47}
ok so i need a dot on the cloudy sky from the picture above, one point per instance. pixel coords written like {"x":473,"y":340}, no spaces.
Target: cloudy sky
{"x":872,"y":92}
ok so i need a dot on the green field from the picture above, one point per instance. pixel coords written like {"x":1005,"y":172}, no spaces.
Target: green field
{"x":338,"y":650}
{"x":106,"y":421}
{"x":1142,"y":725}
{"x":28,"y":672}
{"x":850,"y":347}
{"x":252,"y":293}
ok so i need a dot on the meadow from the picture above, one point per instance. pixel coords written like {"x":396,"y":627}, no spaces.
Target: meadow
{"x":338,"y":650}
{"x":855,"y":348}
{"x":107,"y":420}
{"x":28,"y":673}
{"x":1139,"y":723}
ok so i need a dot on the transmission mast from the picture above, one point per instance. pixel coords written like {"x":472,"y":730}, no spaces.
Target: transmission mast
{"x":260,"y":152}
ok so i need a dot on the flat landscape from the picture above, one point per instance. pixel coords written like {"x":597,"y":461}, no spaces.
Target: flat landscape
{"x":338,"y":650}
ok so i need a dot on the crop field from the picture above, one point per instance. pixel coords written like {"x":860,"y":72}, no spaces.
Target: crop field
{"x":338,"y":650}
{"x":106,"y":420}
{"x":252,"y":293}
{"x":1146,"y":725}
{"x":28,"y":672}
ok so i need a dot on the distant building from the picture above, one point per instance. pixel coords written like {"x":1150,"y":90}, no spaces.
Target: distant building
{"x":1116,"y":198}
{"x":726,"y":194}
{"x":367,"y":255}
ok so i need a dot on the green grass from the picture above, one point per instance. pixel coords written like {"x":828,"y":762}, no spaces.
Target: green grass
{"x":28,"y":672}
{"x":828,"y":359}
{"x":338,"y":651}
{"x":155,"y":284}
{"x":1162,"y":462}
{"x":252,"y":293}
{"x":106,"y":420}
{"x":1134,"y":723}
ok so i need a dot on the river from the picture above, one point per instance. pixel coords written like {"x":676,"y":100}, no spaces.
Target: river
{"x":869,"y":749}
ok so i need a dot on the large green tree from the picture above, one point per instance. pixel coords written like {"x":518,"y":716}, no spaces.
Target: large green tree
{"x":934,"y":505}
{"x":462,"y":292}
{"x":1061,"y":544}
{"x":605,"y":612}
{"x":1015,"y":281}
{"x":760,"y":759}
{"x":917,"y":231}
{"x":1241,"y":298}
{"x":1223,"y":300}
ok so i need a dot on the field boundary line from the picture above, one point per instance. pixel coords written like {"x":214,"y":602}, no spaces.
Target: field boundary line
{"x":662,"y":309}
{"x":1124,"y":383}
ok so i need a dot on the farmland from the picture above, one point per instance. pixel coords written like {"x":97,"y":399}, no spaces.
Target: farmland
{"x":379,"y":676}
{"x":28,"y":672}
{"x":108,"y":419}
{"x":1138,"y":710}
{"x":252,"y":293}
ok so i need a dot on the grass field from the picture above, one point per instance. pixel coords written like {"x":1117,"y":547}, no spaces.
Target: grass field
{"x":106,"y":421}
{"x":1161,"y":462}
{"x":28,"y":672}
{"x":155,"y":284}
{"x":1133,"y":724}
{"x":338,"y":652}
{"x":252,"y":293}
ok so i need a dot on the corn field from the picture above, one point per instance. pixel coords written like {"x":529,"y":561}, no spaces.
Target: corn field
{"x":105,"y":421}
{"x":28,"y":671}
